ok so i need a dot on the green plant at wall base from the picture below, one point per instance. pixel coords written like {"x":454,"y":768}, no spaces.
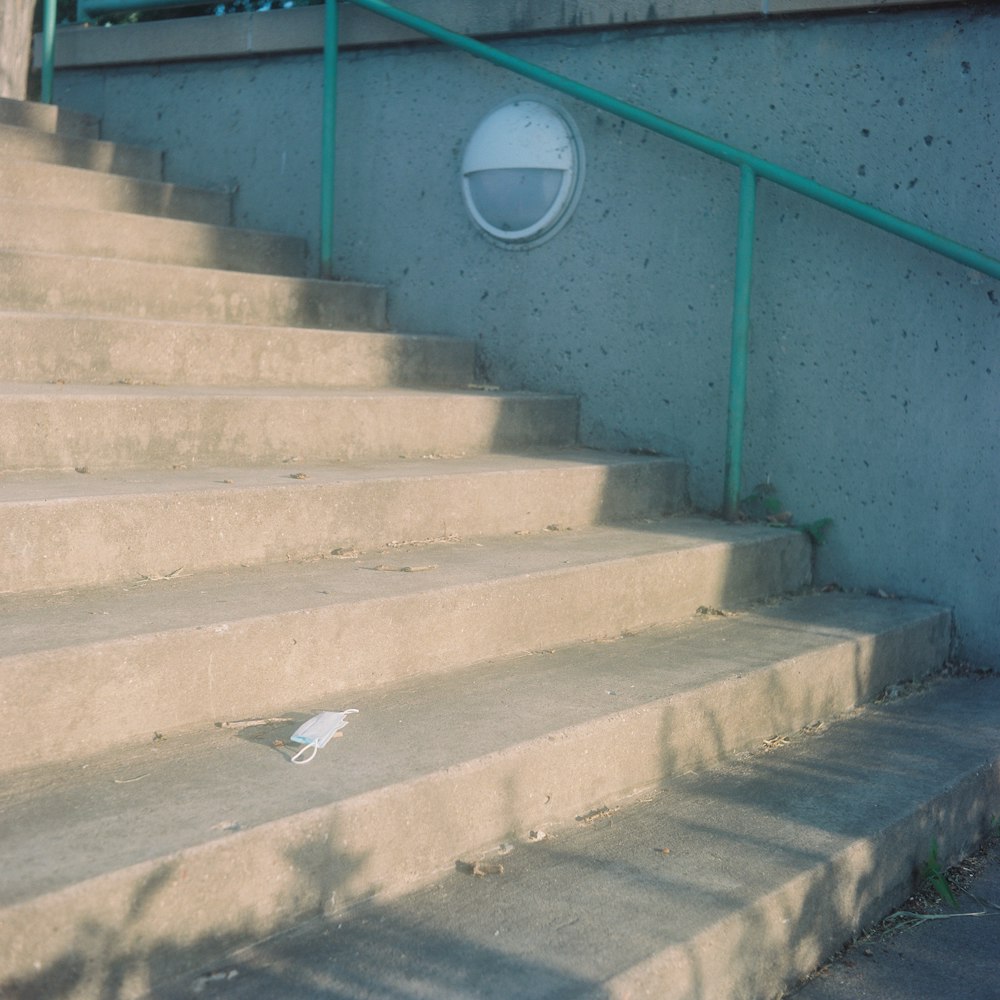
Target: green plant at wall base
{"x":764,"y":504}
{"x":932,"y":873}
{"x":816,"y":530}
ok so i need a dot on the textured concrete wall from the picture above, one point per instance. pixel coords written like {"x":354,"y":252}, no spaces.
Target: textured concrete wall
{"x":875,"y":366}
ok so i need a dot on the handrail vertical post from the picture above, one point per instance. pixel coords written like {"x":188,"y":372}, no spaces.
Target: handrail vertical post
{"x":48,"y":49}
{"x":328,"y":154}
{"x":740,"y":343}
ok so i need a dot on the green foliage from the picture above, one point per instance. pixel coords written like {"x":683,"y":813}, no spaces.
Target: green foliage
{"x":764,"y":504}
{"x":817,"y":530}
{"x":66,"y":10}
{"x":933,"y":873}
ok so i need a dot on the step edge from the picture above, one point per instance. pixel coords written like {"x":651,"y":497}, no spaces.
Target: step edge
{"x":317,"y":826}
{"x":896,"y":852}
{"x":148,"y":161}
{"x":245,"y":639}
{"x":118,"y":185}
{"x":301,"y":487}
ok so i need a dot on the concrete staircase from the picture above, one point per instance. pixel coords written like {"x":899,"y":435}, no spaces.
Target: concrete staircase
{"x":230,"y":499}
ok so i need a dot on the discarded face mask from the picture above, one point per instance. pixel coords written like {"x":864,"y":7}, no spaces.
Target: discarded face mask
{"x":317,"y":732}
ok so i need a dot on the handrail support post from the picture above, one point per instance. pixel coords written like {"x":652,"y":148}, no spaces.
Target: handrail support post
{"x":329,"y":139}
{"x":48,"y":49}
{"x":740,"y":343}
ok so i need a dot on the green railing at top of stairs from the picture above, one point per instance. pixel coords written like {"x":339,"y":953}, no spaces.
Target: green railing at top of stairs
{"x":750,"y":167}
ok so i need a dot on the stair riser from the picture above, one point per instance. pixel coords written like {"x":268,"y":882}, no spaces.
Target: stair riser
{"x":71,"y":188}
{"x":44,"y":348}
{"x":45,"y":229}
{"x":797,"y":928}
{"x":129,"y":688}
{"x":96,"y":432}
{"x":95,"y":541}
{"x":249,"y":884}
{"x":105,"y":287}
{"x":48,"y":118}
{"x":90,"y":154}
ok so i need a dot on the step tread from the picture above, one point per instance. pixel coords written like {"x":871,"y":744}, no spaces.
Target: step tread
{"x":95,"y":154}
{"x":205,"y":600}
{"x":154,"y":239}
{"x":774,"y":860}
{"x":73,"y":530}
{"x":56,"y":184}
{"x":59,"y":390}
{"x":89,"y":426}
{"x":67,"y":283}
{"x":173,"y":794}
{"x":48,"y":118}
{"x":45,"y":347}
{"x":54,"y":487}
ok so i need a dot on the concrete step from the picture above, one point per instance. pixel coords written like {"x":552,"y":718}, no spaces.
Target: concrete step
{"x":91,"y":154}
{"x":91,"y":286}
{"x":94,"y":669}
{"x":152,"y":860}
{"x":44,"y":347}
{"x":35,"y":228}
{"x":106,"y":427}
{"x":775,"y":860}
{"x":48,"y":118}
{"x":71,"y":187}
{"x":72,"y":530}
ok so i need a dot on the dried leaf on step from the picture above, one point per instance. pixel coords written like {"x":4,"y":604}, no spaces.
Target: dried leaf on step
{"x":246,"y":723}
{"x":603,"y":813}
{"x":708,"y":610}
{"x":479,"y":868}
{"x":383,"y":568}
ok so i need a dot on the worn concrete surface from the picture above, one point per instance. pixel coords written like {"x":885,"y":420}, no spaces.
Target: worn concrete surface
{"x":73,"y":530}
{"x":36,"y":226}
{"x":43,"y":347}
{"x":91,"y":286}
{"x":71,"y":187}
{"x":773,"y":860}
{"x":182,"y":650}
{"x":954,"y":955}
{"x":216,"y":836}
{"x":48,"y":118}
{"x":135,"y":427}
{"x":74,"y":151}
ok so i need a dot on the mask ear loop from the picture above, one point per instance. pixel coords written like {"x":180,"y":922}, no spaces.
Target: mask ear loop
{"x":309,"y":746}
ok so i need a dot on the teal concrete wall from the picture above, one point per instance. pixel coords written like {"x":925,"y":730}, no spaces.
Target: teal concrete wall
{"x":875,"y":366}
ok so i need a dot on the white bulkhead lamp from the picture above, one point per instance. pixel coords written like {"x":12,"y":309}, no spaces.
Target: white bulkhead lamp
{"x":522,"y":172}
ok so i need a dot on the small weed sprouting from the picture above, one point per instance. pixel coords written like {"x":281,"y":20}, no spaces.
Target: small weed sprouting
{"x":816,"y":530}
{"x":932,"y":873}
{"x":764,"y":504}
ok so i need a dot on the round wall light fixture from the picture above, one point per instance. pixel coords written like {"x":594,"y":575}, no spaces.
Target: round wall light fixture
{"x":522,"y":172}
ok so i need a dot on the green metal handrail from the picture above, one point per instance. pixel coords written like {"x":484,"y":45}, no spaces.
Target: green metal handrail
{"x":751,"y":168}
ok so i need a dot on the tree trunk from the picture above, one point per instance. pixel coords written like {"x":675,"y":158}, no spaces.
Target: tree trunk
{"x":15,"y":46}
